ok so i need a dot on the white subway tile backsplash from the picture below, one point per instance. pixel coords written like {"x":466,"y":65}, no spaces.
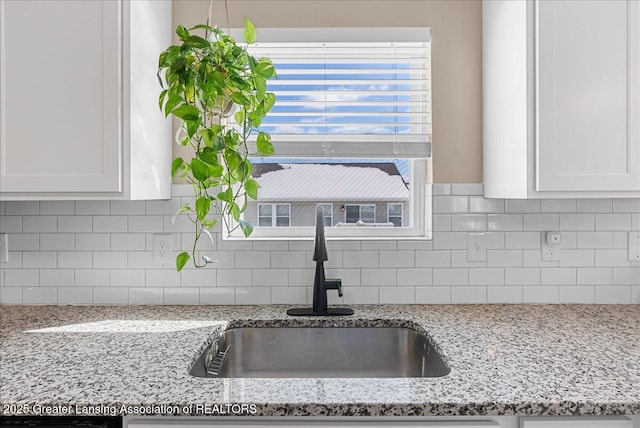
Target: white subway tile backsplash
{"x":11,"y":224}
{"x":10,"y":296}
{"x":75,"y":259}
{"x":56,"y":208}
{"x":109,"y":259}
{"x":21,"y":277}
{"x":626,"y":276}
{"x":541,"y":222}
{"x":540,"y":294}
{"x":628,"y":205}
{"x":91,"y":241}
{"x":577,"y":222}
{"x":101,"y":252}
{"x":379,"y":277}
{"x":613,"y":294}
{"x":92,"y":278}
{"x":91,"y":207}
{"x":75,"y":224}
{"x":595,"y":205}
{"x":253,"y":296}
{"x":558,"y":205}
{"x":181,"y":296}
{"x":110,"y":296}
{"x":456,"y":276}
{"x":21,"y":208}
{"x":450,"y":204}
{"x":611,"y":222}
{"x":109,"y":224}
{"x":468,"y":295}
{"x":289,"y":295}
{"x":558,"y":276}
{"x":594,"y":276}
{"x":39,"y":296}
{"x":613,"y":258}
{"x":41,"y":259}
{"x":468,"y":222}
{"x":497,"y":294}
{"x":396,"y":259}
{"x":577,"y":258}
{"x":511,"y":222}
{"x":146,"y":296}
{"x":270,"y":277}
{"x":576,"y":294}
{"x":595,"y":239}
{"x":486,"y":276}
{"x":75,"y":295}
{"x":433,"y":295}
{"x":56,"y":277}
{"x":522,"y":240}
{"x":57,"y":241}
{"x":482,"y":205}
{"x":162,"y":278}
{"x":504,"y":258}
{"x":396,"y":295}
{"x":217,"y":296}
{"x":39,"y":224}
{"x":522,"y":276}
{"x":126,"y":207}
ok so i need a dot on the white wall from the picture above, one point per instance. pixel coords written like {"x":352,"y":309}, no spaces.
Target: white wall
{"x":101,"y":253}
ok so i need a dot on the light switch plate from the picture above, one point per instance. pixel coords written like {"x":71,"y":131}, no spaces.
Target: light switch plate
{"x":634,"y":246}
{"x":477,"y":247}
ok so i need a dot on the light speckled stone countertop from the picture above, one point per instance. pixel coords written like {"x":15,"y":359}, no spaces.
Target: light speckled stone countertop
{"x":505,"y":360}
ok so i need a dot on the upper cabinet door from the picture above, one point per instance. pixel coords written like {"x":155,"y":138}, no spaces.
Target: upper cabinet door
{"x":588,"y":95}
{"x":60,"y":91}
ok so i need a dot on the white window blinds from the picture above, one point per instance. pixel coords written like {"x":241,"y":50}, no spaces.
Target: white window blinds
{"x":363,"y":93}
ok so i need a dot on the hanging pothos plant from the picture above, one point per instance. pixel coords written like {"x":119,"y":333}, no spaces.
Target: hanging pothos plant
{"x":204,"y":80}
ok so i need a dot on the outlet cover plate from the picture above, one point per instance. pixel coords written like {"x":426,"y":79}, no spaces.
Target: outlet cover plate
{"x":162,"y":249}
{"x":550,"y":252}
{"x":634,"y":246}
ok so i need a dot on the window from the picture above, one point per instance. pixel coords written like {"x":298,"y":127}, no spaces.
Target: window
{"x":327,"y":211}
{"x":394,"y":214}
{"x":270,"y":215}
{"x":351,"y":129}
{"x":365,"y":213}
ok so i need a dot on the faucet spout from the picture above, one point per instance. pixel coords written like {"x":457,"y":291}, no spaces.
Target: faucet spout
{"x":320,"y":283}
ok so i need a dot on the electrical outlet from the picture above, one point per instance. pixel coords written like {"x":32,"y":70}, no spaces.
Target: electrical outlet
{"x":476,"y":247}
{"x":634,"y":246}
{"x":551,"y":246}
{"x":4,"y":248}
{"x":162,"y":251}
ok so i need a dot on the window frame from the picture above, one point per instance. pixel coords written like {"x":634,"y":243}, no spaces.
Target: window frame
{"x":401,"y":216}
{"x":330,"y":204}
{"x":359,"y":212}
{"x":420,"y":207}
{"x":274,"y":215}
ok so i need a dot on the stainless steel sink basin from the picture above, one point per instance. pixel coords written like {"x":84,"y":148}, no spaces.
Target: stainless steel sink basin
{"x":320,"y":352}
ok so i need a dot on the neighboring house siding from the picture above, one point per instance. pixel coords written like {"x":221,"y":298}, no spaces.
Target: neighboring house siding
{"x":303,"y":213}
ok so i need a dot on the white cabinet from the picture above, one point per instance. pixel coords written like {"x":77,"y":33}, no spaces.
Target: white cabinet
{"x":78,"y":113}
{"x":561,"y":98}
{"x":577,"y":422}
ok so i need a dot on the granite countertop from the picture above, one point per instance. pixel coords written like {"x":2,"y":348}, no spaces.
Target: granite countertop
{"x":505,"y":360}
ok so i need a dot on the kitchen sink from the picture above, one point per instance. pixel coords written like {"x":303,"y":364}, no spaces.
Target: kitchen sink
{"x":320,"y":352}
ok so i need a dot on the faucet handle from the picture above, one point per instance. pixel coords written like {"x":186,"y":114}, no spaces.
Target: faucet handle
{"x":333,"y":284}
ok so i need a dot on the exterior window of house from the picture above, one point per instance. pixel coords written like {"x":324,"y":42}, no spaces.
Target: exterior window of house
{"x":365,"y":213}
{"x":327,"y":211}
{"x":274,"y":215}
{"x":351,"y":128}
{"x":394,"y":214}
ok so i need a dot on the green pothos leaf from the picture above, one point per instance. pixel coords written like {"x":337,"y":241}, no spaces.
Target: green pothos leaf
{"x":246,"y":227}
{"x":181,"y":260}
